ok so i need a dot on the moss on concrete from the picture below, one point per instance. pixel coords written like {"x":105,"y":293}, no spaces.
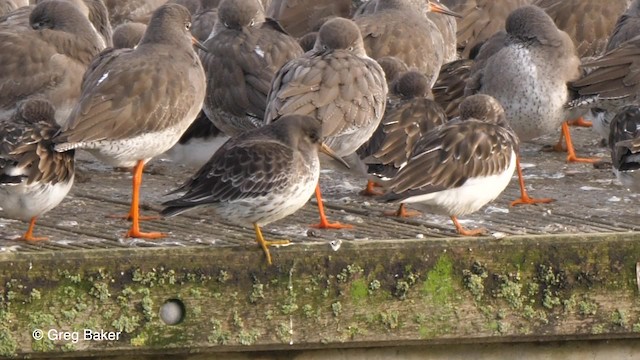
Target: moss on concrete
{"x":413,"y":291}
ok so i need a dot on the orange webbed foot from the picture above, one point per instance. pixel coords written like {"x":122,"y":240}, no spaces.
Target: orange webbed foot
{"x":370,"y":190}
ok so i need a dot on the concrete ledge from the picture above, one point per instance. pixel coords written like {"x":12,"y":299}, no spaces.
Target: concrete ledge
{"x":367,"y":293}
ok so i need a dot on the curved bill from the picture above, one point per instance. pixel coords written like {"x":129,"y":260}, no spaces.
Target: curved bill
{"x":327,"y":150}
{"x":437,"y":8}
{"x":198,"y":44}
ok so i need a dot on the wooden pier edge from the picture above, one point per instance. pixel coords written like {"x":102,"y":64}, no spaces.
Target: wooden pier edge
{"x":366,"y":293}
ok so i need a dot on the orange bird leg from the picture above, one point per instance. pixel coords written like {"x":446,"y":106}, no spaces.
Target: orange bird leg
{"x":324,"y":223}
{"x":580,"y":122}
{"x":559,"y":146}
{"x":464,"y":232}
{"x":524,"y":197}
{"x":370,"y":189}
{"x":28,"y":236}
{"x":571,"y":152}
{"x":402,"y":212}
{"x":135,"y":232}
{"x":129,"y":216}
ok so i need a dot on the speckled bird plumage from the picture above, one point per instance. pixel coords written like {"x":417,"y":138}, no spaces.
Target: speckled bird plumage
{"x":529,"y":73}
{"x":258,"y":177}
{"x":244,"y":53}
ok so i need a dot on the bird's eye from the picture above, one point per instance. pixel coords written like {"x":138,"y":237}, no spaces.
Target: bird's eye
{"x":226,"y":25}
{"x":325,"y":47}
{"x":39,"y":25}
{"x":187,"y":26}
{"x":350,"y":48}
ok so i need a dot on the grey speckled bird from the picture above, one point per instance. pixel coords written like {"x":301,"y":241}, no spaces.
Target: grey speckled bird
{"x":460,"y":166}
{"x":258,"y":177}
{"x":624,"y":142}
{"x":33,"y":178}
{"x":529,"y":76}
{"x":132,"y":109}
{"x":336,"y":83}
{"x":47,"y":58}
{"x":243,"y":54}
{"x":399,"y":28}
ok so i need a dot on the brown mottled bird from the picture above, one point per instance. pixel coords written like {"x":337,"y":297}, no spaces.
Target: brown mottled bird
{"x":7,"y":6}
{"x":133,"y":109}
{"x":589,"y":23}
{"x":448,"y":91}
{"x":128,"y":35}
{"x":300,"y":17}
{"x":398,"y":28}
{"x":336,"y":83}
{"x":93,"y":10}
{"x":460,"y":166}
{"x":47,"y":59}
{"x":411,"y":113}
{"x":33,"y":178}
{"x":259,"y":176}
{"x":204,"y":19}
{"x":243,"y":54}
{"x":392,"y":67}
{"x":627,"y":27}
{"x":613,"y":81}
{"x":481,"y":19}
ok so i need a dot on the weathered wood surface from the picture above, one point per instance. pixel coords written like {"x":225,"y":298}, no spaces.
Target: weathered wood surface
{"x":566,"y":270}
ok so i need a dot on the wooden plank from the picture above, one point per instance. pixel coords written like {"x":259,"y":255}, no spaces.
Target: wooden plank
{"x":382,"y":293}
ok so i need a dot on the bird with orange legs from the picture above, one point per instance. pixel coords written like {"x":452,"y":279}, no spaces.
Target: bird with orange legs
{"x":528,"y":75}
{"x":460,"y":166}
{"x":336,"y":83}
{"x":408,"y":117}
{"x":34,"y":179}
{"x":132,"y":109}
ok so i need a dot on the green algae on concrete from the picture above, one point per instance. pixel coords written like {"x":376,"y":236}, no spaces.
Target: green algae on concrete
{"x":382,"y":292}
